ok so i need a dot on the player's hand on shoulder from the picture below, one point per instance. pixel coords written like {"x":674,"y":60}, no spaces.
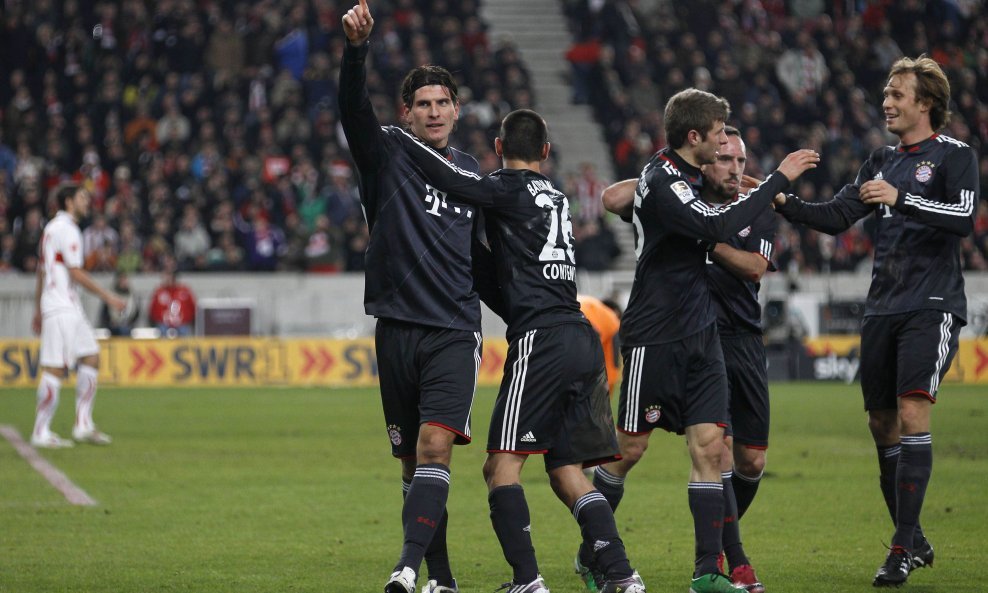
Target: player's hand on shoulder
{"x":749,"y":183}
{"x":799,"y":162}
{"x":878,"y":191}
{"x":357,"y":23}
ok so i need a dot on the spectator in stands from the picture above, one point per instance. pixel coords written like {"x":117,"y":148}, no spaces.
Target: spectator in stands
{"x":191,"y":241}
{"x":173,"y":306}
{"x":103,"y":258}
{"x":98,"y":234}
{"x":120,"y":323}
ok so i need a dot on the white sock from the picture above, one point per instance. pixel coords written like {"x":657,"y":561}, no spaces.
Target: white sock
{"x":48,"y":388}
{"x":85,"y":393}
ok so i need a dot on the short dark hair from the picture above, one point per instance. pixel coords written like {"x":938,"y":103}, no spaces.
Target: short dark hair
{"x":732,"y":131}
{"x":65,"y":192}
{"x":693,"y":109}
{"x":931,"y":86}
{"x":427,"y":76}
{"x":523,"y":134}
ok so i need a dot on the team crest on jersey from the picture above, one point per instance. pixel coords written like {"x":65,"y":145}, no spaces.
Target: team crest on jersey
{"x":924,"y":171}
{"x":394,"y":433}
{"x":653,"y":413}
{"x":745,"y":231}
{"x":683,"y":191}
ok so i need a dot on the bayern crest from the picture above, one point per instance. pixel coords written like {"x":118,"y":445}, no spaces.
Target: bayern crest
{"x":653,"y":413}
{"x":394,"y":433}
{"x":924,"y":171}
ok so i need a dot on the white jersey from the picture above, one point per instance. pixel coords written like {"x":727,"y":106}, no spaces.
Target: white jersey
{"x":61,"y":249}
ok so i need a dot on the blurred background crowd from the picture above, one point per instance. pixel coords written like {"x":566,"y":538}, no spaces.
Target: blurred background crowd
{"x":208,"y":130}
{"x":798,"y":74}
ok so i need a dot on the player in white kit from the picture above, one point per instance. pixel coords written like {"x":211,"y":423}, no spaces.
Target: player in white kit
{"x":66,"y":336}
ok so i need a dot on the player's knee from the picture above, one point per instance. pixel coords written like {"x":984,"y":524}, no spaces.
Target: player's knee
{"x":710,"y":454}
{"x":752,"y":465}
{"x":632,"y":452}
{"x":435,"y":446}
{"x":884,"y":425}
{"x":489,"y":469}
{"x":914,"y":419}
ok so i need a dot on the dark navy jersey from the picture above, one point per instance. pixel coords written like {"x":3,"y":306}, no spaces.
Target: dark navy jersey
{"x":418,"y":264}
{"x":531,"y":237}
{"x":917,"y":245}
{"x":736,"y":299}
{"x":670,"y":297}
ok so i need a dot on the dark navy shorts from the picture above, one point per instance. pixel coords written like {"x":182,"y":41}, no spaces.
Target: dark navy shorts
{"x":554,"y":400}
{"x":428,"y":376}
{"x":906,"y":354}
{"x":747,"y":380}
{"x":674,"y":385}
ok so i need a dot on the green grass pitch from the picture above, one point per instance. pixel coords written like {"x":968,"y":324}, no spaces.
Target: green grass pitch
{"x":292,"y":490}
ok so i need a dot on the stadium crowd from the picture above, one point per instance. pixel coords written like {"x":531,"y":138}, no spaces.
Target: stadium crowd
{"x":208,"y":131}
{"x":798,"y":73}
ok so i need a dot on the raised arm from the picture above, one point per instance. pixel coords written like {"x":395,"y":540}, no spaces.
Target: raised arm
{"x":681,"y":210}
{"x":836,"y":215}
{"x":360,"y":124}
{"x":955,"y":214}
{"x":466,"y":186}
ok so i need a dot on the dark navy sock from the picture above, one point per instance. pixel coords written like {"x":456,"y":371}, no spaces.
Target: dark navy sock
{"x":707,"y":505}
{"x":912,"y":477}
{"x":731,"y":535}
{"x":425,"y":504}
{"x":600,"y":534}
{"x":512,"y":525}
{"x":745,"y":488}
{"x":888,"y":466}
{"x":610,"y":485}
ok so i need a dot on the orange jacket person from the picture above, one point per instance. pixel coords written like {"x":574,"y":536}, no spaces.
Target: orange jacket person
{"x":607,"y":322}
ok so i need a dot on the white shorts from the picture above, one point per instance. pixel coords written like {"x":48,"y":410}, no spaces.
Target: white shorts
{"x":65,"y":338}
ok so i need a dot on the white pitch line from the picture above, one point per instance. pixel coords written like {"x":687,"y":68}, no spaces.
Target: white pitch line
{"x":55,"y":477}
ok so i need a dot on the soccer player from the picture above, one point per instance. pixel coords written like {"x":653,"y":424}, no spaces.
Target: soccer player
{"x":420,"y":287}
{"x":734,"y":271}
{"x":923,"y":194}
{"x":674,"y":374}
{"x":605,"y":317}
{"x":553,"y":399}
{"x":67,"y":339}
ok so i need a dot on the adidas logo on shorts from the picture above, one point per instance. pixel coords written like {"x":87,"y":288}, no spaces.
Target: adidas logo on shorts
{"x":528,"y":438}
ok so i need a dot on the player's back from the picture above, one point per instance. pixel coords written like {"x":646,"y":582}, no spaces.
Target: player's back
{"x":61,"y":248}
{"x":531,"y":235}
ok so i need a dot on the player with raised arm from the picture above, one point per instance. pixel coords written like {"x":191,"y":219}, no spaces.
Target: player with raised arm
{"x":419,"y":286}
{"x":674,"y":374}
{"x":923,"y":194}
{"x":67,"y":339}
{"x":553,"y":399}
